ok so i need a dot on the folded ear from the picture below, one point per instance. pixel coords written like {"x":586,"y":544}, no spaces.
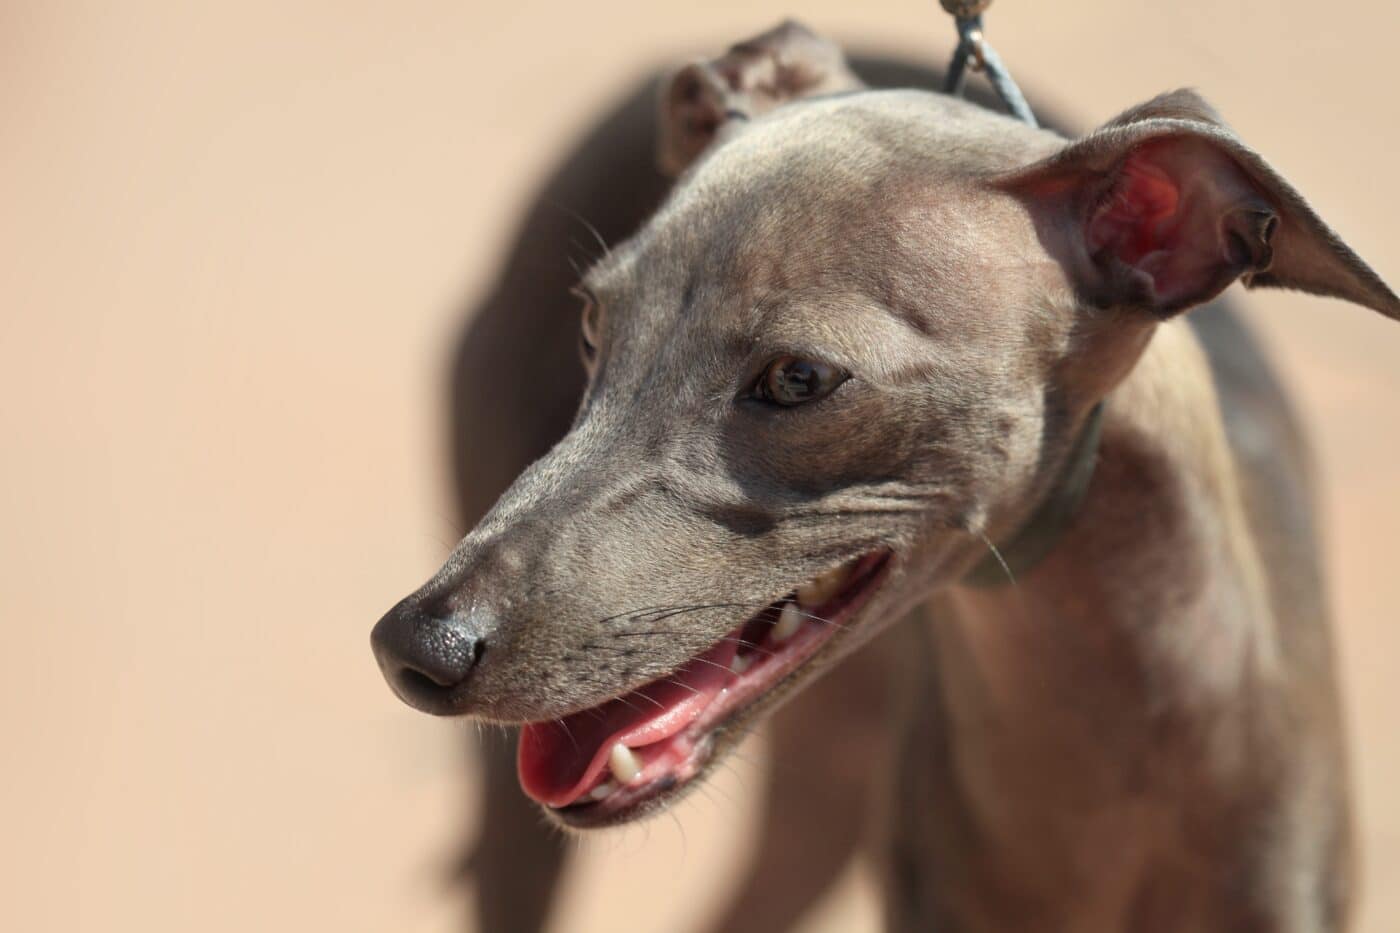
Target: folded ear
{"x":1164,"y":207}
{"x":785,"y":63}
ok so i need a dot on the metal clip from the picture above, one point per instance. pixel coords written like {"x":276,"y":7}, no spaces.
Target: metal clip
{"x":977,"y":60}
{"x":966,"y":9}
{"x":974,"y":50}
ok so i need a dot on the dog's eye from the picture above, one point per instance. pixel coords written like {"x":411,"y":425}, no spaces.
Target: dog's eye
{"x":789,"y":380}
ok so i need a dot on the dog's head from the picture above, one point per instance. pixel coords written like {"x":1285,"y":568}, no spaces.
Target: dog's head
{"x":853,"y":348}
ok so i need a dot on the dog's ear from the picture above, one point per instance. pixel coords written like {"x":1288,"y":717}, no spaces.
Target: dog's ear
{"x":1164,"y":207}
{"x":785,"y":63}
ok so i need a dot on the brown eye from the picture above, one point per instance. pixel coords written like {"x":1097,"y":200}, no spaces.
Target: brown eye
{"x":789,"y":381}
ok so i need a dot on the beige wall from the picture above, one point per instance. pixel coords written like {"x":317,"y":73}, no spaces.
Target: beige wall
{"x":232,"y":241}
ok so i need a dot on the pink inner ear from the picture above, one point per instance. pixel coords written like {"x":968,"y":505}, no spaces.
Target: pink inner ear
{"x":1136,"y":219}
{"x":1169,"y":218}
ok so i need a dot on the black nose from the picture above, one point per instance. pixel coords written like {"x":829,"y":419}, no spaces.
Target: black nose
{"x":427,"y":657}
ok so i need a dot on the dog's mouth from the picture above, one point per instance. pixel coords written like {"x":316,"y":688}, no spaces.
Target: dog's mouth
{"x":612,"y":762}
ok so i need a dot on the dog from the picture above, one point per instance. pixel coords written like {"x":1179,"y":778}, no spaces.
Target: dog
{"x":885,"y":351}
{"x":515,"y":386}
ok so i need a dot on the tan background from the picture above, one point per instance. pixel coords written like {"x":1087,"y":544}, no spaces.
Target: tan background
{"x":233,"y":239}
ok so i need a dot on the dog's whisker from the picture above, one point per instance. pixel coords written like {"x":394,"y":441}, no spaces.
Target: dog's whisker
{"x":602,"y":243}
{"x":593,"y":646}
{"x":633,"y":613}
{"x":715,"y":664}
{"x":626,"y":702}
{"x":744,"y":643}
{"x":573,"y":264}
{"x":565,"y":726}
{"x":1006,"y":568}
{"x":682,"y":685}
{"x":806,"y":614}
{"x":652,"y":700}
{"x":816,"y":618}
{"x":682,"y":610}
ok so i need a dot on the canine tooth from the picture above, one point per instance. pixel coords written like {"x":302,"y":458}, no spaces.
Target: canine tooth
{"x":741,"y":663}
{"x":623,"y":764}
{"x":602,"y":790}
{"x":789,"y":621}
{"x":821,"y":589}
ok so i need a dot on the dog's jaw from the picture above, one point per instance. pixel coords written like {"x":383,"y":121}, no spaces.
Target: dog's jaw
{"x":645,"y":749}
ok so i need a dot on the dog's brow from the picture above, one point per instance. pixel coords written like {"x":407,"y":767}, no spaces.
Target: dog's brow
{"x":610,"y":273}
{"x":775,"y":312}
{"x":906,"y":315}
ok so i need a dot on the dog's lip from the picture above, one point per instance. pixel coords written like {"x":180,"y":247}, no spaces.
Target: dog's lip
{"x":686,"y":750}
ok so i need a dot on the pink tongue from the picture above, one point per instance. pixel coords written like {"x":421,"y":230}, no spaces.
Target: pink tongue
{"x":560,"y":759}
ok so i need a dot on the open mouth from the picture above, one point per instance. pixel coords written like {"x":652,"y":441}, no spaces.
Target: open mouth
{"x":611,"y":762}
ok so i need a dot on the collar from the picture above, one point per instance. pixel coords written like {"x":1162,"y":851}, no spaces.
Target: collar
{"x":1043,"y":530}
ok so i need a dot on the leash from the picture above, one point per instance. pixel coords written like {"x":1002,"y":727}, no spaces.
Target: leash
{"x":1039,"y":535}
{"x":974,"y":50}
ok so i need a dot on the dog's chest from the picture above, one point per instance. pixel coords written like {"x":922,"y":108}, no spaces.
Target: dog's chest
{"x":1042,"y":783}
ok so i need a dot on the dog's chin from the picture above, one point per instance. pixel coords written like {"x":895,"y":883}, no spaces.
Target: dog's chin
{"x":643,"y":750}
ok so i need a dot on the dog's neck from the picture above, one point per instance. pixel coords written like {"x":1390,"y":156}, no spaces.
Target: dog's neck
{"x":1051,"y":519}
{"x":1073,"y":693}
{"x":1164,"y":504}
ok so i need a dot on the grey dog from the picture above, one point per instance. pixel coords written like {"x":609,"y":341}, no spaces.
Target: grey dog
{"x":885,"y":351}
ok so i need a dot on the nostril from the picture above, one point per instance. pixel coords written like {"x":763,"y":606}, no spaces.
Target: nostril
{"x":416,"y":682}
{"x":426,"y":657}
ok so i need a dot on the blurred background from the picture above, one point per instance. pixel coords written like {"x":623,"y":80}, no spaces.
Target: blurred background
{"x":235,"y":239}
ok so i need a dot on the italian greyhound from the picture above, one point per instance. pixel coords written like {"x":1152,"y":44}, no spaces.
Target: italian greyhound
{"x":884,"y":350}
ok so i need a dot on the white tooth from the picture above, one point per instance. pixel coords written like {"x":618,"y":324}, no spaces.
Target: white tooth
{"x":789,"y":621}
{"x":602,"y":790}
{"x":741,"y":663}
{"x":623,"y":764}
{"x":818,"y":591}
